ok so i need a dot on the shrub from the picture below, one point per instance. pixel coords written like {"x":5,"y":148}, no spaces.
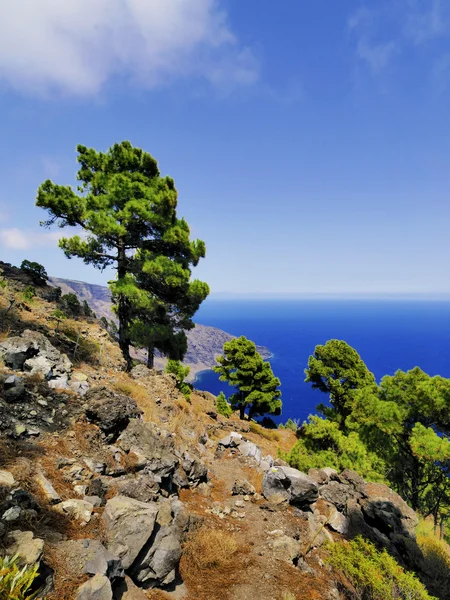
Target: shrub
{"x":180,"y":372}
{"x":71,"y":304}
{"x":29,"y":293}
{"x":223,"y":408}
{"x":365,"y":573}
{"x":15,"y":582}
{"x":322,"y":444}
{"x":59,"y":314}
{"x":290,"y":424}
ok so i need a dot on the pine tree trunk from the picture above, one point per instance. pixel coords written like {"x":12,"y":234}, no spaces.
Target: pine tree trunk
{"x":415,"y":480}
{"x":151,"y":356}
{"x":122,"y":309}
{"x":242,"y":412}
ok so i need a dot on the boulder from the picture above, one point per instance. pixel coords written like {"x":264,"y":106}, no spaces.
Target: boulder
{"x":242,"y":487}
{"x":33,"y":352}
{"x":153,"y":448}
{"x":251,"y":450}
{"x":160,"y":561}
{"x":322,"y":476}
{"x":302,"y":488}
{"x":128,"y":527}
{"x":142,"y":487}
{"x":338,"y":494}
{"x":24,"y":544}
{"x":89,"y":557}
{"x":79,"y":510}
{"x":14,"y":389}
{"x":112,"y":412}
{"x":285,"y":548}
{"x":387,"y":511}
{"x":231,"y":441}
{"x":275,"y":483}
{"x":97,"y":588}
{"x":195,"y":470}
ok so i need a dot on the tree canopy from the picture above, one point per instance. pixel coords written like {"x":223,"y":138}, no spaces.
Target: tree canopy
{"x":337,"y":370}
{"x":397,"y":430}
{"x":127,"y":212}
{"x":242,"y":366}
{"x":36,"y":271}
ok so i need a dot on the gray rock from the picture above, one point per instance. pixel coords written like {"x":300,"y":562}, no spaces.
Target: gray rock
{"x":275,"y":484}
{"x":48,"y":490}
{"x":302,"y":489}
{"x":153,"y":447}
{"x":322,"y":476}
{"x":129,"y":525}
{"x":96,"y":501}
{"x":251,"y":450}
{"x":160,"y":561}
{"x":97,"y":588}
{"x":338,"y":494}
{"x":144,"y":488}
{"x":80,"y":510}
{"x":6,"y":478}
{"x":91,"y":557}
{"x":231,"y":441}
{"x":14,"y":389}
{"x":24,"y":544}
{"x":110,"y":411}
{"x":195,"y":470}
{"x":33,"y":352}
{"x":12,"y":514}
{"x":285,"y":548}
{"x":242,"y":487}
{"x":339,"y":523}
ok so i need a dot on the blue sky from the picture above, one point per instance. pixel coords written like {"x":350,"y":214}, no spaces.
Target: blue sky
{"x":309,"y":141}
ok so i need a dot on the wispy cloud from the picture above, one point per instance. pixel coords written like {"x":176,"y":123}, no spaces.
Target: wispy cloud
{"x":382,"y":33}
{"x":77,"y":46}
{"x":426,"y":21}
{"x":18,"y":239}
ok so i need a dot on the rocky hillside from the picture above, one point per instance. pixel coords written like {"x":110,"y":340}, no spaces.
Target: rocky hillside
{"x":120,"y":489}
{"x":205,"y":343}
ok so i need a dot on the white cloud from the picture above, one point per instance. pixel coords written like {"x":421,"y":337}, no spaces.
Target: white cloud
{"x":381,"y":33}
{"x":423,"y":25}
{"x":77,"y":46}
{"x":17,"y":239}
{"x":372,"y":50}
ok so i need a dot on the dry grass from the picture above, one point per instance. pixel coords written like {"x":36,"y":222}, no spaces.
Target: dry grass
{"x":65,"y":582}
{"x":137,"y":391}
{"x":212,"y":563}
{"x":273,"y":435}
{"x":157,"y":595}
{"x":254,"y":477}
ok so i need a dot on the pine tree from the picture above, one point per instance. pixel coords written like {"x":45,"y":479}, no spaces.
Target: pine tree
{"x":223,"y":408}
{"x":256,"y":386}
{"x":129,"y":214}
{"x":337,"y":369}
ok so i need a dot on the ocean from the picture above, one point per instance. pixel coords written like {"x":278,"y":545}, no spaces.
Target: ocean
{"x":388,"y":334}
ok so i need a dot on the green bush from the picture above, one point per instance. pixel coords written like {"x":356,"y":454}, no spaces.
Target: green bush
{"x":180,"y":372}
{"x":29,"y":293}
{"x":290,"y":424}
{"x":15,"y":581}
{"x":223,"y":408}
{"x":365,"y":573}
{"x":59,"y":314}
{"x":322,"y":444}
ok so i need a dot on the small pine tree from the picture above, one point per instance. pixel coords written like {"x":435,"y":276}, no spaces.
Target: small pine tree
{"x":180,"y":372}
{"x":223,"y":408}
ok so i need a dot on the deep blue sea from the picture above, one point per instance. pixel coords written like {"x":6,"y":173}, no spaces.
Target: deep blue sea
{"x":388,"y":334}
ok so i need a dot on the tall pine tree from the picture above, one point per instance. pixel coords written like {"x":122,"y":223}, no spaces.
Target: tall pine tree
{"x":128,"y":213}
{"x":243,"y":367}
